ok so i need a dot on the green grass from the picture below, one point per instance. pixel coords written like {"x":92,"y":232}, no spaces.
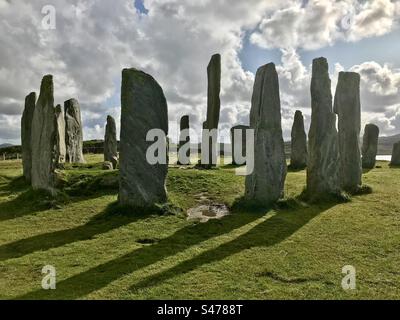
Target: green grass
{"x":291,"y":251}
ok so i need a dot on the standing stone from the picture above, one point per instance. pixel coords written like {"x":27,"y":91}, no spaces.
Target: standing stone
{"x":26,"y":134}
{"x":184,"y":139}
{"x":298,"y":157}
{"x":60,"y":139}
{"x":370,"y":146}
{"x":323,"y":145}
{"x":396,"y":155}
{"x":43,"y":141}
{"x":143,"y":108}
{"x":73,"y":132}
{"x":110,"y":142}
{"x":265,"y":184}
{"x":213,"y":106}
{"x":348,"y":108}
{"x":235,"y":145}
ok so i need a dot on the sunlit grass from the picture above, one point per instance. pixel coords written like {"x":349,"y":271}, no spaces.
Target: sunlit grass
{"x":293,"y":250}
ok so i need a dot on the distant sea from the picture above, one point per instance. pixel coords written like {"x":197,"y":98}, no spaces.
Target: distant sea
{"x":384,"y":158}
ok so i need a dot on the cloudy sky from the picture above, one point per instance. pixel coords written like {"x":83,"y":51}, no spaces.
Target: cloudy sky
{"x":173,"y":40}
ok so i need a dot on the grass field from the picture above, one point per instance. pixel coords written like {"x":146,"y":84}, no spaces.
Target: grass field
{"x":291,"y":251}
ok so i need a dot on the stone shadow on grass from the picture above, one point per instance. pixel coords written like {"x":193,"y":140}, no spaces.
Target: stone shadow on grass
{"x":111,"y":218}
{"x":272,"y":231}
{"x":100,"y":276}
{"x":30,"y":202}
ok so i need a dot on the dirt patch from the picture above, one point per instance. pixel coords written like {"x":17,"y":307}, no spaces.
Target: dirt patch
{"x":205,"y":212}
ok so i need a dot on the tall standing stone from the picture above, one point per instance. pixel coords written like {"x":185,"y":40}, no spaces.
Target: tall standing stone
{"x":396,"y":155}
{"x":26,"y":134}
{"x":298,"y":157}
{"x":110,"y":142}
{"x":323,"y":145}
{"x":143,"y":108}
{"x":43,"y":141}
{"x":370,"y":146}
{"x":235,"y":145}
{"x":213,"y":106}
{"x":73,"y":132}
{"x":184,"y":139}
{"x":266,"y":184}
{"x":347,"y":106}
{"x":60,"y":140}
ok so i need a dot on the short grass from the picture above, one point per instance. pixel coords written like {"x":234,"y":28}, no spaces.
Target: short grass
{"x":291,"y":251}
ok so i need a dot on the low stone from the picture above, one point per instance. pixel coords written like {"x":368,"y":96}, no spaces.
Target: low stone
{"x":298,"y":157}
{"x":107,"y":165}
{"x":110,"y":142}
{"x":184,"y":140}
{"x":370,"y":146}
{"x":396,"y":155}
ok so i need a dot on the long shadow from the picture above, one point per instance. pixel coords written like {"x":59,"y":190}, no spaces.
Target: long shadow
{"x":266,"y":234}
{"x":100,"y":276}
{"x":272,"y":231}
{"x":103,"y":222}
{"x":30,"y":202}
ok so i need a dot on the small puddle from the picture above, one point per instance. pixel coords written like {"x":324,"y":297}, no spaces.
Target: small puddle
{"x":205,"y":212}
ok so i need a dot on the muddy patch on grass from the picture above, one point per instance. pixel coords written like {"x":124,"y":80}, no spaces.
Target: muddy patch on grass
{"x":205,"y":212}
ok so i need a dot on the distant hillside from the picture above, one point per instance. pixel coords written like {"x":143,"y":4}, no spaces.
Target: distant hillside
{"x":5,"y":145}
{"x":385,"y":145}
{"x":96,"y":146}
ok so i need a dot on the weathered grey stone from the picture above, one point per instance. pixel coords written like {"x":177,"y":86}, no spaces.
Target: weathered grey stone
{"x":266,"y":184}
{"x":73,"y":132}
{"x":323,"y":145}
{"x":370,"y":146}
{"x":184,"y":139}
{"x":110,"y":142}
{"x":26,"y":134}
{"x":396,"y":155}
{"x":298,"y":157}
{"x":43,"y":141}
{"x":213,"y":107}
{"x":60,"y":139}
{"x":235,"y":144}
{"x":143,"y":108}
{"x":348,"y":108}
{"x":107,"y":165}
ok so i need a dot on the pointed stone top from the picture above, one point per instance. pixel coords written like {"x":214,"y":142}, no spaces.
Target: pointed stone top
{"x":110,"y":118}
{"x":298,"y":113}
{"x":58,"y":108}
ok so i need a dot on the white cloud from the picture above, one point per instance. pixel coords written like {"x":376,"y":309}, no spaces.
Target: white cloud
{"x":95,"y":40}
{"x":321,"y":23}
